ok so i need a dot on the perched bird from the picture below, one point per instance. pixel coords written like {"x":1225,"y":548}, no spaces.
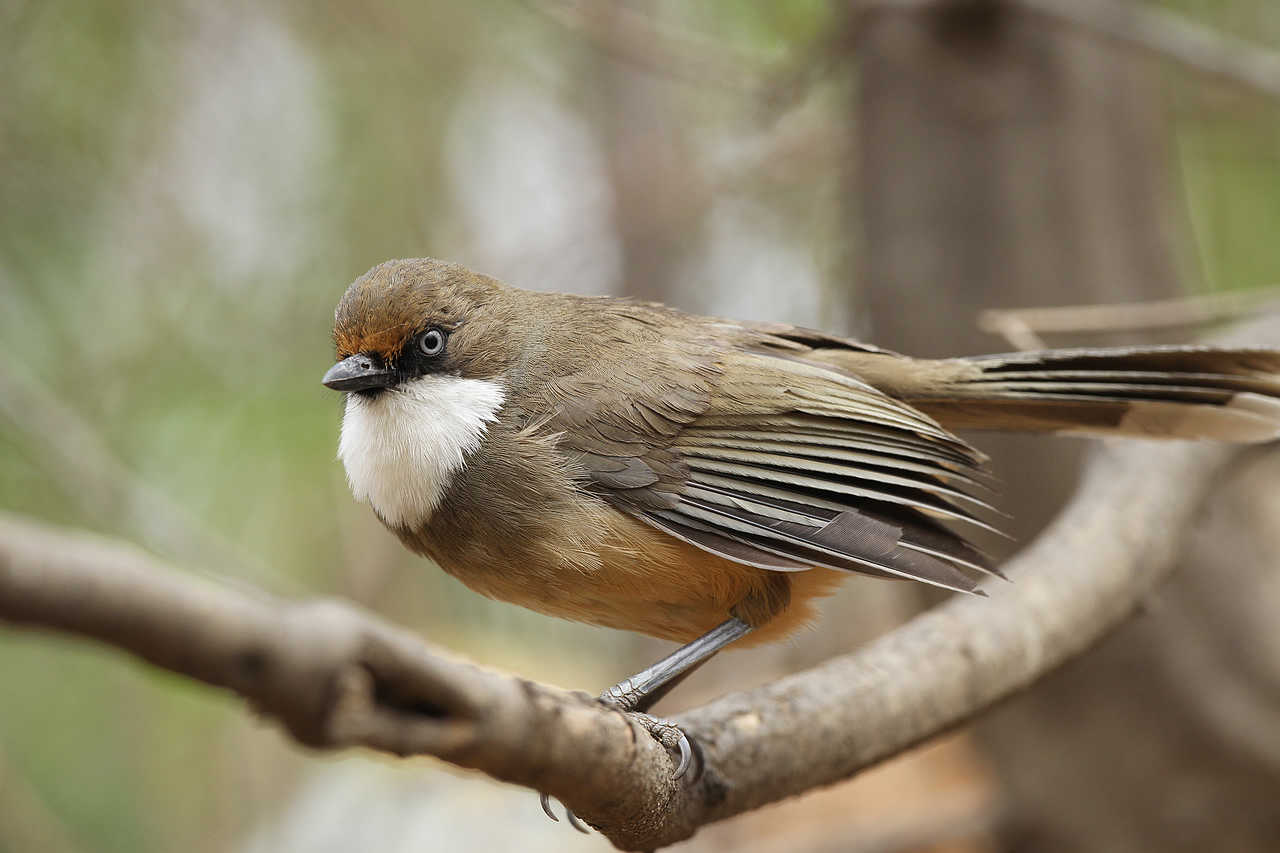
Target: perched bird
{"x":703,"y":480}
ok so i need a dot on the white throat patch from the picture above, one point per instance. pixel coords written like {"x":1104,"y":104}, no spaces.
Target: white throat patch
{"x":402,"y":447}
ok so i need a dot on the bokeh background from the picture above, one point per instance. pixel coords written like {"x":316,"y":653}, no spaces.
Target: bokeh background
{"x":188,"y":188}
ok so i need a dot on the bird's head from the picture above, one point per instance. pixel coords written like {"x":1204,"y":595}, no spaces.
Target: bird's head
{"x":409,"y":319}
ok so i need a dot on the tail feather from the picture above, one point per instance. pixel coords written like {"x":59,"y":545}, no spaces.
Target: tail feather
{"x":1155,"y":392}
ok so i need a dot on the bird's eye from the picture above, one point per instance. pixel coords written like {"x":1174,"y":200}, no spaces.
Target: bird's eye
{"x":431,"y":342}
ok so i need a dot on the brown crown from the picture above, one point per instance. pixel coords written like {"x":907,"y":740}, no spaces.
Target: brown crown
{"x":390,"y":303}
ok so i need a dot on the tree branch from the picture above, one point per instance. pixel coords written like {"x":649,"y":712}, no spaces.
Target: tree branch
{"x":337,"y":677}
{"x":333,"y":675}
{"x":1022,"y":327}
{"x":1169,"y":36}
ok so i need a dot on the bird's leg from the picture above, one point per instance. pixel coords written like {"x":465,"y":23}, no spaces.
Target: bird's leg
{"x":641,"y":691}
{"x":637,"y":694}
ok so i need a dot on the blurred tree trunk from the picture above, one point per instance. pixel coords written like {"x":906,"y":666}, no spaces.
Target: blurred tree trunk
{"x":658,"y":196}
{"x":1003,"y":163}
{"x":1007,"y":162}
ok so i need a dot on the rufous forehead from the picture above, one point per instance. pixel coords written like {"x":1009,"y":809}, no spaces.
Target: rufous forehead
{"x":377,"y":315}
{"x":385,"y":342}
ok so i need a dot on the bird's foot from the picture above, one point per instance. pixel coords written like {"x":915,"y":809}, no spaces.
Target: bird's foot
{"x":665,"y":732}
{"x":671,"y":736}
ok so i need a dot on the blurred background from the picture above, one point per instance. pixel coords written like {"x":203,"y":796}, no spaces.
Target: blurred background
{"x":188,"y":188}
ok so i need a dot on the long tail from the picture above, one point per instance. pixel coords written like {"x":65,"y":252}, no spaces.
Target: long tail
{"x":1154,"y":392}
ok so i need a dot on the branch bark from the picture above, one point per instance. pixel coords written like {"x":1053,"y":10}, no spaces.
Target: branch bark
{"x":336,"y":677}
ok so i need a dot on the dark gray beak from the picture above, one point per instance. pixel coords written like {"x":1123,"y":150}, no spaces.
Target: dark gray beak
{"x":358,"y":373}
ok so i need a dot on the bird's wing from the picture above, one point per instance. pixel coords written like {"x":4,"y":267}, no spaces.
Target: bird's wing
{"x":795,"y":460}
{"x":754,"y":454}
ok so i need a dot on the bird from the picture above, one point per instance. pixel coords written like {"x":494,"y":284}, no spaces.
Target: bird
{"x":703,"y":480}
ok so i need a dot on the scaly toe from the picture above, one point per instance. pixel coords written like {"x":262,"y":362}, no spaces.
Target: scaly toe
{"x":671,"y":736}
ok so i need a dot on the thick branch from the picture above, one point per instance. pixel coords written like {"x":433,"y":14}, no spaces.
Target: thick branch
{"x":333,"y":675}
{"x":337,"y":677}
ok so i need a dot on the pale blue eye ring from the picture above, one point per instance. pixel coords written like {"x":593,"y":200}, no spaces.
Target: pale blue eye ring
{"x":431,"y":342}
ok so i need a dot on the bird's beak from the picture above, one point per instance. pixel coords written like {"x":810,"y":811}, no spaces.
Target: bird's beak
{"x":359,"y":372}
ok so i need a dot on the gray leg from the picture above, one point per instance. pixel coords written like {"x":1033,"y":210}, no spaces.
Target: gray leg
{"x":642,"y":690}
{"x":638,"y":694}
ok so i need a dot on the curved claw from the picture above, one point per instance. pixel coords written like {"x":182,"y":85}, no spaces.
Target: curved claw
{"x":575,"y":823}
{"x":545,"y":799}
{"x":670,"y":736}
{"x":686,"y":755}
